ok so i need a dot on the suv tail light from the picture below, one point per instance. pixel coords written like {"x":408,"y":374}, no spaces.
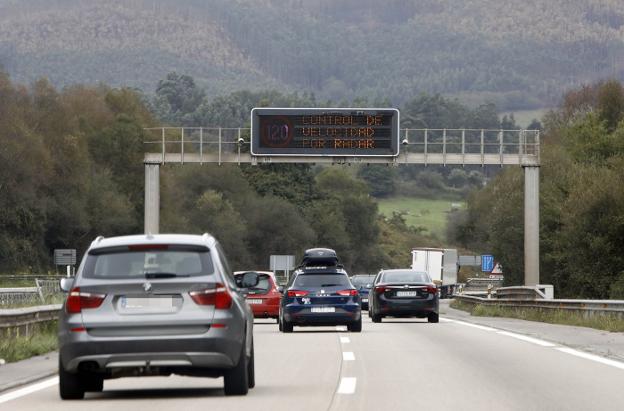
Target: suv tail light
{"x":78,"y":301}
{"x":219,"y":297}
{"x":297,"y":293}
{"x":380,"y":289}
{"x":352,"y":293}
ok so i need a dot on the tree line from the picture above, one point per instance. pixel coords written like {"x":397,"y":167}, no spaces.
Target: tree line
{"x":581,"y":200}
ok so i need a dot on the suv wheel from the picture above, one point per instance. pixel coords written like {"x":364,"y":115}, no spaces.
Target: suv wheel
{"x":287,"y":326}
{"x":236,"y":380}
{"x":376,"y":318}
{"x":70,"y":385}
{"x":251,"y":370}
{"x":355,"y":326}
{"x":433,"y":318}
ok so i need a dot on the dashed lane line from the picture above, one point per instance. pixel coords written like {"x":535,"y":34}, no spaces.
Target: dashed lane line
{"x":29,"y":389}
{"x":347,"y":385}
{"x":348,"y":356}
{"x":345,"y":340}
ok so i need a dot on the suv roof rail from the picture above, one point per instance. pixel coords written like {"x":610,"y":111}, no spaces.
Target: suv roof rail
{"x":98,"y":239}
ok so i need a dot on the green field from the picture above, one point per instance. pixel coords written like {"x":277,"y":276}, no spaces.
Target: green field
{"x":420,"y":212}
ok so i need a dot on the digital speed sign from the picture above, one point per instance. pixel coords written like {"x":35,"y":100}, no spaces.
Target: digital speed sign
{"x":324,"y":132}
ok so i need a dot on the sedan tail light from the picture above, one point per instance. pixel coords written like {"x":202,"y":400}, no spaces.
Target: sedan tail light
{"x":219,"y":297}
{"x":431,"y":289}
{"x":380,"y":289}
{"x":78,"y":301}
{"x":297,"y":293}
{"x":352,"y":293}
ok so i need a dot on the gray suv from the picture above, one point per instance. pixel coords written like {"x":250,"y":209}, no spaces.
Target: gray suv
{"x":155,"y":305}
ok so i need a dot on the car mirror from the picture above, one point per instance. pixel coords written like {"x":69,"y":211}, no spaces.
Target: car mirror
{"x":369,"y":285}
{"x":66,"y":284}
{"x":280,"y":289}
{"x":250,"y":280}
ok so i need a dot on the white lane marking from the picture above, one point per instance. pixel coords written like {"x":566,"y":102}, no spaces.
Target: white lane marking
{"x":348,"y":356}
{"x":347,"y":385}
{"x":341,"y":328}
{"x":29,"y":389}
{"x":480,"y":327}
{"x":345,"y":340}
{"x":446,"y":320}
{"x":592,"y":357}
{"x":527,"y":339}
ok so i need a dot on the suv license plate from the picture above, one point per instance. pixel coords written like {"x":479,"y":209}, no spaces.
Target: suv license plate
{"x":407,"y":293}
{"x":323,"y":309}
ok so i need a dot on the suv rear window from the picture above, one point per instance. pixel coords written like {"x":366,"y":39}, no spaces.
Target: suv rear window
{"x":405,"y":277}
{"x":321,"y":280}
{"x":139,"y":264}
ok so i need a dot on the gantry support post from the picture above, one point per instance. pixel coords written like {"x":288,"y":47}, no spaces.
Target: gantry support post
{"x":152,"y":198}
{"x":531,"y":226}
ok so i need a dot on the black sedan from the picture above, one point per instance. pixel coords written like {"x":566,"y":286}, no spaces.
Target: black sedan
{"x":403,"y":293}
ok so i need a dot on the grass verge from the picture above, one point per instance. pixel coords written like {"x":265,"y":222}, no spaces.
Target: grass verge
{"x":420,"y":212}
{"x":605,"y":321}
{"x":19,"y":348}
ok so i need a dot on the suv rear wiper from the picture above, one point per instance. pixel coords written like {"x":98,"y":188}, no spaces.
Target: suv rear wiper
{"x":164,"y":275}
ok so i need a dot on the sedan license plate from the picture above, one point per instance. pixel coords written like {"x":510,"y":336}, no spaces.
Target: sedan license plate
{"x":407,"y":293}
{"x":254,"y":301}
{"x":323,"y":309}
{"x":364,"y":300}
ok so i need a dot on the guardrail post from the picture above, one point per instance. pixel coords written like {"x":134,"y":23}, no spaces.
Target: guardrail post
{"x":152,"y":198}
{"x":531,"y":226}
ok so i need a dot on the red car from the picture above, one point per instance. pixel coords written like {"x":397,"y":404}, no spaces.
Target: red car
{"x":264,"y":298}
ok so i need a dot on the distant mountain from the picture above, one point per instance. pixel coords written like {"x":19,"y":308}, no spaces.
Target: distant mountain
{"x":519,"y":54}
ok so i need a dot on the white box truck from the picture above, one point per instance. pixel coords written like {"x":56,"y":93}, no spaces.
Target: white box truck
{"x":440,"y":264}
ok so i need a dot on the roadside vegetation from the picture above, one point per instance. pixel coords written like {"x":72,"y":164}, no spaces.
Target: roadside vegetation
{"x":602,"y":321}
{"x":581,"y":201}
{"x":40,"y":342}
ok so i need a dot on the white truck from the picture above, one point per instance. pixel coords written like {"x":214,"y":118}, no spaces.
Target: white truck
{"x":440,"y":264}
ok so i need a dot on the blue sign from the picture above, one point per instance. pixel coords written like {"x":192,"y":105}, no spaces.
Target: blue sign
{"x":487,"y":263}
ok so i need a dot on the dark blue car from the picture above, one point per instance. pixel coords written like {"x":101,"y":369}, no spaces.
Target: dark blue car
{"x":320,"y":296}
{"x":363,"y":283}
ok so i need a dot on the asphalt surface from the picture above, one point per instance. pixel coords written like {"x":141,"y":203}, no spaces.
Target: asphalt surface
{"x":396,"y":365}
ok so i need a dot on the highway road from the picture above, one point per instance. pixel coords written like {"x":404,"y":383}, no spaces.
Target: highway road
{"x":395,"y":365}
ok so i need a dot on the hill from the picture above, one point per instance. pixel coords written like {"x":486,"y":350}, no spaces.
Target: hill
{"x":519,"y":55}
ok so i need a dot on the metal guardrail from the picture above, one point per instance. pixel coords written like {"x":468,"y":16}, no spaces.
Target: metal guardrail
{"x":24,"y":321}
{"x":43,"y":288}
{"x":589,"y":307}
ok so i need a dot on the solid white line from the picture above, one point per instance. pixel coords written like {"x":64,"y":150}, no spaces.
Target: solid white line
{"x":527,"y":339}
{"x":29,"y":389}
{"x":446,"y":320}
{"x":480,"y":327}
{"x":347,"y":385}
{"x":592,"y":357}
{"x":345,"y":340}
{"x":348,"y":356}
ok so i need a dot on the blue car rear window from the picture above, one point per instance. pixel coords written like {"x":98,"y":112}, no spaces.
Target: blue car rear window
{"x":321,"y":280}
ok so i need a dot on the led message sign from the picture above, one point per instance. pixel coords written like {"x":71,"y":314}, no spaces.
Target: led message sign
{"x":324,"y":132}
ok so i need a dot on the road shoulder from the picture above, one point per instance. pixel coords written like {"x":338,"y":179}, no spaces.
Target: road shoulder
{"x":27,"y":371}
{"x":603,"y":343}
